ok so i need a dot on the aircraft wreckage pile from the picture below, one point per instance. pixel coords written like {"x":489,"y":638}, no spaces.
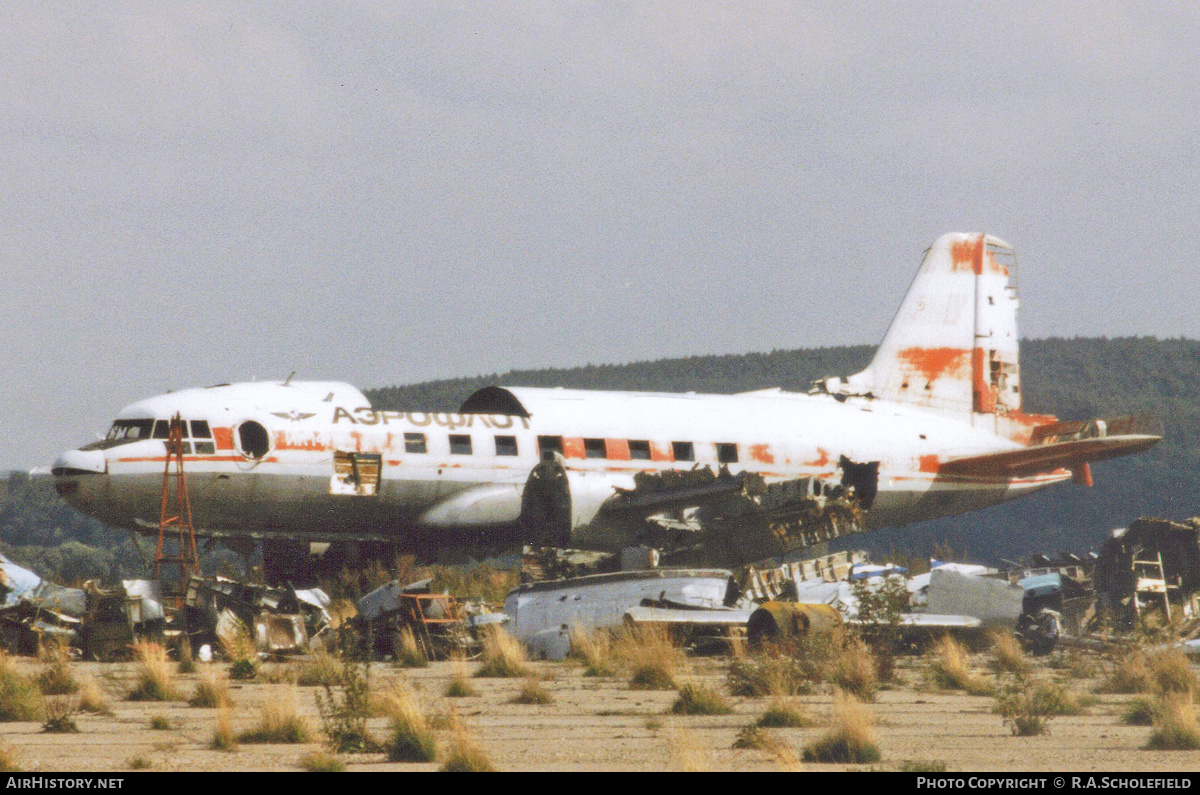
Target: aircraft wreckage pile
{"x":1151,"y":568}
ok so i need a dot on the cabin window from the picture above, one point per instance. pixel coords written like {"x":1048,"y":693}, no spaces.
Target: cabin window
{"x":253,"y":439}
{"x":683,"y":451}
{"x":414,"y":443}
{"x":548,"y":446}
{"x":205,"y":448}
{"x":460,"y":444}
{"x":727,"y":453}
{"x":594,"y":448}
{"x":200,"y":430}
{"x":639,"y":450}
{"x":162,"y":429}
{"x":506,"y":445}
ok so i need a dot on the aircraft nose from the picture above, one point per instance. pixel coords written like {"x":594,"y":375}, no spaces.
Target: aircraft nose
{"x":79,"y":462}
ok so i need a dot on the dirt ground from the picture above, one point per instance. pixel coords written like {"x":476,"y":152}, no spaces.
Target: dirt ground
{"x":595,"y":724}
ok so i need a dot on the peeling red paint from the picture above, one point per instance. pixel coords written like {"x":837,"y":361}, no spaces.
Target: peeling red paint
{"x":617,"y":449}
{"x":223,"y":438}
{"x":967,"y":255}
{"x":661,"y":452}
{"x":928,"y":463}
{"x":984,"y":394}
{"x":761,"y":454}
{"x":284,"y":441}
{"x":933,"y":363}
{"x":573,"y":447}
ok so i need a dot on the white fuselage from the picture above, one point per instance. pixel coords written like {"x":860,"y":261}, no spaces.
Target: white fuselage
{"x":292,"y":482}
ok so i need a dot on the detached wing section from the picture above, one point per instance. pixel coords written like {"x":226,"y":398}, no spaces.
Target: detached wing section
{"x":1065,"y":445}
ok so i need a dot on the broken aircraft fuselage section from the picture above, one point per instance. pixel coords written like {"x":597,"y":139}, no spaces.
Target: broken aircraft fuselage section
{"x":932,"y":427}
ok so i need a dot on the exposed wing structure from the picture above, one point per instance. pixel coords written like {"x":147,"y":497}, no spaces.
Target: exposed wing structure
{"x":1064,"y":445}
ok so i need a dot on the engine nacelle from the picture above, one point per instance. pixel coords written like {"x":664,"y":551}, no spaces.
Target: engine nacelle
{"x":558,"y":501}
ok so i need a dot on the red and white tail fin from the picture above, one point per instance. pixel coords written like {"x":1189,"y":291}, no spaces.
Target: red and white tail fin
{"x":952,"y":347}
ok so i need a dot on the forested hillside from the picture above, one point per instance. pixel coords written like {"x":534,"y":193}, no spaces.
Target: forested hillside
{"x":1073,"y":378}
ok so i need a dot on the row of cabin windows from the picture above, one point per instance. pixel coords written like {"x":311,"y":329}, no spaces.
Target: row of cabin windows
{"x":196,"y":433}
{"x":639,"y":449}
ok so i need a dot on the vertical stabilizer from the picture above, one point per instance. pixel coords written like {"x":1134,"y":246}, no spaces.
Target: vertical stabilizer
{"x":952,"y":347}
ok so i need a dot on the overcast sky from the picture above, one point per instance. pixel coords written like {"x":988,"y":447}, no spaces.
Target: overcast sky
{"x":392,"y":192}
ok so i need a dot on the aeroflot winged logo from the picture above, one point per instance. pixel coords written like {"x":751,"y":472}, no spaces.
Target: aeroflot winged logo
{"x":293,"y":415}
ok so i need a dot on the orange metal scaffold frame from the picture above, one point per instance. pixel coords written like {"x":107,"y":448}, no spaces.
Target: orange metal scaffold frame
{"x":176,"y":511}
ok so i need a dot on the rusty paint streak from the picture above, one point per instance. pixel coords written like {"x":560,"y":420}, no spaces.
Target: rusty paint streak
{"x":967,"y":255}
{"x":761,"y":453}
{"x":933,"y":363}
{"x":928,"y":463}
{"x":661,"y":452}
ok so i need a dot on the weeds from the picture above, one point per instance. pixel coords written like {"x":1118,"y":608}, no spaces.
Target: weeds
{"x":223,"y":738}
{"x":532,"y":692}
{"x":138,"y":762}
{"x":768,"y":675}
{"x":408,"y":653}
{"x":854,"y":671}
{"x":155,"y":680}
{"x":595,"y":650}
{"x":20,"y":699}
{"x":698,"y":699}
{"x":1175,"y":726}
{"x":321,"y":762}
{"x":782,"y":715}
{"x":278,"y":722}
{"x":321,"y":669}
{"x":460,"y":686}
{"x":60,"y":715}
{"x":503,"y":656}
{"x":212,"y":689}
{"x":949,"y":669}
{"x":1139,"y":712}
{"x":851,"y":737}
{"x":56,"y":679}
{"x":687,"y":754}
{"x":1027,"y":707}
{"x":464,"y":754}
{"x":92,"y":697}
{"x":160,"y":723}
{"x":411,"y":738}
{"x":1008,"y":656}
{"x":344,"y":715}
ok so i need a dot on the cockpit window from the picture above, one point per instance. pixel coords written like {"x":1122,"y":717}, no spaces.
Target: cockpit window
{"x":130,"y":430}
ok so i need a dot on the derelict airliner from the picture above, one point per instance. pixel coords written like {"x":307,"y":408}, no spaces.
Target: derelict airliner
{"x":932,"y":427}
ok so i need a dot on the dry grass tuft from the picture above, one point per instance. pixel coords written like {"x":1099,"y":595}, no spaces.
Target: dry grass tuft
{"x":1130,"y":674}
{"x":92,"y":697}
{"x":56,"y":679}
{"x":854,"y":671}
{"x":1170,"y":672}
{"x":60,"y":715}
{"x":409,"y":654}
{"x":698,"y":699}
{"x":460,"y":686}
{"x":595,"y":650}
{"x":1175,"y":725}
{"x":1139,"y":712}
{"x":851,"y":737}
{"x":949,"y":669}
{"x":20,"y":699}
{"x":212,"y":688}
{"x":8,"y":760}
{"x":782,"y":715}
{"x":321,"y":762}
{"x":321,"y":669}
{"x":768,"y":675}
{"x":155,"y":677}
{"x":411,"y":738}
{"x":279,"y":721}
{"x":160,"y":723}
{"x":223,"y":738}
{"x":652,"y":657}
{"x":503,"y":656}
{"x":464,"y":754}
{"x":532,"y":692}
{"x":1007,"y":654}
{"x":687,"y":754}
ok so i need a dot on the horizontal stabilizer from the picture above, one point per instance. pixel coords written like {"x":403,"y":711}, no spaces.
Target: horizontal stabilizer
{"x":1064,"y":445}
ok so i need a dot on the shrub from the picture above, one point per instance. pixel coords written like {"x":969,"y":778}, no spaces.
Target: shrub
{"x":881,"y":604}
{"x":1175,"y":726}
{"x":767,"y":675}
{"x":160,"y":723}
{"x":1027,"y":707}
{"x":756,"y":738}
{"x":56,"y":679}
{"x":1139,"y":712}
{"x":532,"y":692}
{"x":851,"y":737}
{"x":60,"y":711}
{"x":243,"y":670}
{"x":697,"y":699}
{"x":278,"y":722}
{"x":137,"y":763}
{"x":155,"y":680}
{"x":344,"y":714}
{"x":1170,"y":671}
{"x":503,"y":656}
